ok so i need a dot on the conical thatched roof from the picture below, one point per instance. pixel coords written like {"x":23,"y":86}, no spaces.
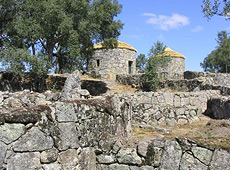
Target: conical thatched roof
{"x":121,"y":45}
{"x":170,"y":53}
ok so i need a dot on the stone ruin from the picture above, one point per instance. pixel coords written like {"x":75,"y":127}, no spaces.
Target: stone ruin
{"x":107,"y":63}
{"x":38,"y":131}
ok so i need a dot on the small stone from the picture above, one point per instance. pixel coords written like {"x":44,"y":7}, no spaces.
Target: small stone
{"x":142,"y":148}
{"x":177,"y":101}
{"x":106,"y":159}
{"x":129,"y":156}
{"x":52,"y":166}
{"x":146,"y":168}
{"x":22,"y":161}
{"x":69,"y":158}
{"x":65,"y":112}
{"x":88,"y":159}
{"x":49,"y":156}
{"x":116,"y":147}
{"x":3,"y":148}
{"x":11,"y":132}
{"x":118,"y":167}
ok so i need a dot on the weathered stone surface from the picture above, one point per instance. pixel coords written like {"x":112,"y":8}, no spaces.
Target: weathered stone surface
{"x":65,"y":112}
{"x":49,"y":156}
{"x":203,"y":154}
{"x":142,"y":148}
{"x":116,"y":147}
{"x":69,"y":159}
{"x":154,"y":155}
{"x":11,"y":132}
{"x":68,"y":136}
{"x":102,"y":167}
{"x":22,"y":161}
{"x":146,"y":168}
{"x":3,"y":148}
{"x":71,"y":87}
{"x":52,"y":166}
{"x":33,"y":140}
{"x":88,"y":159}
{"x":118,"y":167}
{"x":220,"y":160}
{"x":129,"y":156}
{"x":171,"y":155}
{"x":218,"y":108}
{"x":106,"y":159}
{"x":188,"y":162}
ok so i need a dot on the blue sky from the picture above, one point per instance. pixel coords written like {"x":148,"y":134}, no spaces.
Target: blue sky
{"x":179,"y":24}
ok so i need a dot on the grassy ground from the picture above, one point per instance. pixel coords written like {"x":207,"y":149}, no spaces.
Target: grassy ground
{"x":214,"y":133}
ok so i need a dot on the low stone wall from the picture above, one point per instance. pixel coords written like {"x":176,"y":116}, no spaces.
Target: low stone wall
{"x":215,"y":79}
{"x":129,"y":79}
{"x":163,"y":154}
{"x":60,"y":136}
{"x":168,"y":108}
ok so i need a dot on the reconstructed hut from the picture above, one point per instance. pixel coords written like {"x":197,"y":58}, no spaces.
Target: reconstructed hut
{"x":176,"y":66}
{"x":107,"y":63}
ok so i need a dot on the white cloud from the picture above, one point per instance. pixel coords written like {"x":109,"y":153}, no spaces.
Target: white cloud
{"x":167,"y":22}
{"x":198,"y":28}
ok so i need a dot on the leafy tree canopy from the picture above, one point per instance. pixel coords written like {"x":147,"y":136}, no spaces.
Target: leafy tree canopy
{"x":141,"y":62}
{"x":44,"y":35}
{"x":216,"y":7}
{"x":154,"y":62}
{"x":219,"y":59}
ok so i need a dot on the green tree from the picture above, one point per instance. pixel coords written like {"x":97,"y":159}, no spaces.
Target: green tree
{"x":219,"y":59}
{"x":141,"y":62}
{"x":216,"y":7}
{"x":58,"y":33}
{"x":156,"y":60}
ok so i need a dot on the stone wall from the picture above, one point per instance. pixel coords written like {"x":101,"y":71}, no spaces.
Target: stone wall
{"x":174,"y":69}
{"x":215,"y":79}
{"x":108,"y":63}
{"x":61,"y":135}
{"x":155,"y":154}
{"x":168,"y":108}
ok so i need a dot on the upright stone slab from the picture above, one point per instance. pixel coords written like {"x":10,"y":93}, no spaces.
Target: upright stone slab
{"x":71,"y":87}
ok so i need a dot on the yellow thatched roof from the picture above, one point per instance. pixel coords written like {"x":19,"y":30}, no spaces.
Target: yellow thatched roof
{"x":119,"y":45}
{"x":170,"y":53}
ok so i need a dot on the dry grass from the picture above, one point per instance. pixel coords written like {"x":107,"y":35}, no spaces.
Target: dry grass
{"x":196,"y":131}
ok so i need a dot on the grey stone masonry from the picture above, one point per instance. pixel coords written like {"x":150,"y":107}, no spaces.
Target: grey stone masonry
{"x":169,"y":108}
{"x":107,"y":64}
{"x":174,"y":69}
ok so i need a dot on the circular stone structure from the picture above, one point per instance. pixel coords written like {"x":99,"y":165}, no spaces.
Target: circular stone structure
{"x":107,"y":63}
{"x":176,"y":66}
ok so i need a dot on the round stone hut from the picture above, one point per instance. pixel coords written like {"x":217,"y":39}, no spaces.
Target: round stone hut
{"x":176,"y":66}
{"x":107,"y":63}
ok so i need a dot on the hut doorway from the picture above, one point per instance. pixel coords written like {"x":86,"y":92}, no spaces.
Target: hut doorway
{"x":130,"y":66}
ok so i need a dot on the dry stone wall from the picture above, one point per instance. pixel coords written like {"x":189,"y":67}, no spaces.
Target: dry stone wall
{"x":61,"y":135}
{"x":174,"y":69}
{"x":168,"y":108}
{"x":161,"y":154}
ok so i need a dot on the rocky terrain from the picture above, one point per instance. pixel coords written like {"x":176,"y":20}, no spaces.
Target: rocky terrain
{"x":75,"y":129}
